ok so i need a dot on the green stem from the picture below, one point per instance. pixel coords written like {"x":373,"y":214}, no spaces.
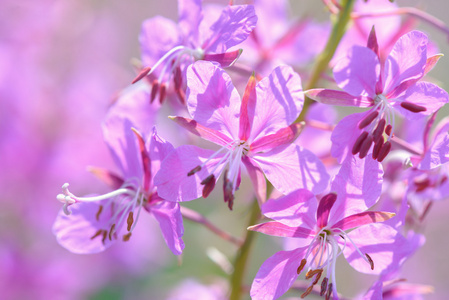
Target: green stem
{"x":322,"y":62}
{"x":243,"y":254}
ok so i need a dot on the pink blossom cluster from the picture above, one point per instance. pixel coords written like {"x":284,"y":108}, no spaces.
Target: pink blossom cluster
{"x":244,"y":111}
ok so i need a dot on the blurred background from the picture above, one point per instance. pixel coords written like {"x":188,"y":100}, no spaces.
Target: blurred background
{"x":61,"y":65}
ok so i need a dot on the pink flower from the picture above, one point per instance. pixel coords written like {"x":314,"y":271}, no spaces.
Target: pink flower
{"x":90,"y":224}
{"x":389,"y":88}
{"x":256,"y":131}
{"x":336,"y":224}
{"x":170,"y":48}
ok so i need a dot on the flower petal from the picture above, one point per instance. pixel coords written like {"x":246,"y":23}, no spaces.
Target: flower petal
{"x":358,"y":185}
{"x":226,"y":59}
{"x":358,"y":72}
{"x":233,"y":27}
{"x":424,"y":94}
{"x":257,"y":178}
{"x":75,"y":231}
{"x":295,"y":209}
{"x":279,"y":100}
{"x":291,"y":167}
{"x":190,"y":15}
{"x":282,"y":137}
{"x":282,"y":230}
{"x":212,"y":99}
{"x":276,"y":275}
{"x":168,"y":214}
{"x":363,"y":218}
{"x":438,"y":152}
{"x":407,"y":60}
{"x":172,"y":181}
{"x":340,"y":98}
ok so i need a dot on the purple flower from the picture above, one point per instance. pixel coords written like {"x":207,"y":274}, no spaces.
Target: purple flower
{"x":169,"y":48}
{"x":336,"y":224}
{"x":256,"y":131}
{"x":386,"y":88}
{"x":90,"y":224}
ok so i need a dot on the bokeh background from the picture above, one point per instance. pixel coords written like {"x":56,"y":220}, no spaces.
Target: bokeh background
{"x":61,"y":65}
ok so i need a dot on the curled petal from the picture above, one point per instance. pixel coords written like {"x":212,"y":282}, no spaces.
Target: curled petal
{"x":438,"y":152}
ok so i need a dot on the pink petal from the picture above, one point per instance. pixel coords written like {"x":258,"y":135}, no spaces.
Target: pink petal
{"x":407,"y":60}
{"x":233,"y":27}
{"x":358,"y":72}
{"x":387,"y":248}
{"x":172,"y":181}
{"x":248,"y":101}
{"x":324,"y":207}
{"x":226,"y":59}
{"x":438,"y":152}
{"x":276,"y":275}
{"x":282,"y":137}
{"x":257,"y":178}
{"x":212,"y":99}
{"x":204,"y":132}
{"x":424,"y":94}
{"x":278,"y":104}
{"x":291,"y":167}
{"x":358,"y":185}
{"x":168,"y":214}
{"x":158,"y":150}
{"x":112,"y":180}
{"x":295,"y":209}
{"x":431,"y":62}
{"x":279,"y":229}
{"x":158,"y":36}
{"x":340,"y":98}
{"x":344,"y":136}
{"x":74,"y":232}
{"x":190,"y":15}
{"x":363,"y":218}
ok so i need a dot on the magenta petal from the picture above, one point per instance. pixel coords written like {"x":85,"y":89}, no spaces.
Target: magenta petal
{"x":438,"y":152}
{"x":212,"y":99}
{"x":424,"y":94}
{"x":226,"y":59}
{"x":75,"y":231}
{"x":279,"y":101}
{"x":204,"y":132}
{"x":279,"y":229}
{"x":172,"y":181}
{"x":340,"y":98}
{"x":168,"y":214}
{"x":233,"y":27}
{"x":363,"y":218}
{"x":324,"y":207}
{"x":358,"y":185}
{"x":158,"y":150}
{"x":291,"y":167}
{"x":407,"y":60}
{"x":190,"y":15}
{"x":295,"y":209}
{"x":387,"y":248}
{"x":276,"y":275}
{"x":358,"y":72}
{"x":283,"y":136}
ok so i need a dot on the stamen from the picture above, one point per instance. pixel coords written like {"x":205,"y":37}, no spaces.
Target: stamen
{"x":301,"y":266}
{"x":194,"y":170}
{"x":111,"y":231}
{"x":100,"y":209}
{"x":421,"y":184}
{"x":366,"y":145}
{"x":323,"y":286}
{"x":371,"y":262}
{"x":311,"y":273}
{"x":413,"y":107}
{"x":307,"y":292}
{"x":126,"y":237}
{"x":209,"y":184}
{"x":377,"y":133}
{"x":329,"y":291}
{"x":105,"y":235}
{"x":368,"y":119}
{"x":154,"y":90}
{"x":384,"y":151}
{"x":130,"y":220}
{"x":358,"y":143}
{"x":228,"y":190}
{"x":317,"y":277}
{"x":376,"y":149}
{"x":98,"y":233}
{"x":388,"y":129}
{"x":162,"y":93}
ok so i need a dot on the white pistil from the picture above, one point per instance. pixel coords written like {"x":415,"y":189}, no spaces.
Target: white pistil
{"x":355,"y":246}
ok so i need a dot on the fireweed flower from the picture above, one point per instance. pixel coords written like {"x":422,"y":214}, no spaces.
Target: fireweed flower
{"x":90,"y":224}
{"x":388,"y":88}
{"x":256,"y":131}
{"x":168,"y":48}
{"x":336,"y":224}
